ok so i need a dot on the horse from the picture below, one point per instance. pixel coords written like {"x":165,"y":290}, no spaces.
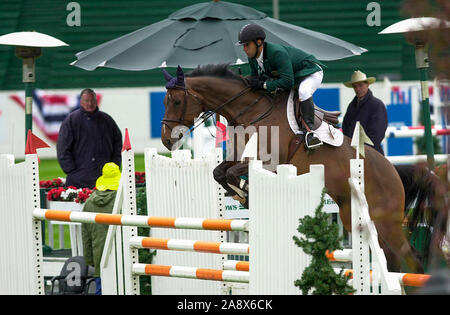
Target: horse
{"x":217,"y":89}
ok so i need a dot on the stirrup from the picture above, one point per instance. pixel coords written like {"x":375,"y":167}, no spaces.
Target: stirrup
{"x":312,"y":146}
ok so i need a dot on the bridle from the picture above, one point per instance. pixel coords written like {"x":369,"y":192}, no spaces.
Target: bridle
{"x":183,"y":112}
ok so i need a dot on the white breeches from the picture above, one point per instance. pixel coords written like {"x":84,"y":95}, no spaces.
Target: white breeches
{"x":305,"y":90}
{"x":309,"y":85}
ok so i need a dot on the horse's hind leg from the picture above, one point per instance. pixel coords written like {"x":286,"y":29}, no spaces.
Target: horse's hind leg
{"x":396,"y":246}
{"x":391,"y":238}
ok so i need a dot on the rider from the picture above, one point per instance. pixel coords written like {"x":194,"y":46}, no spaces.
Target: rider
{"x":286,"y":67}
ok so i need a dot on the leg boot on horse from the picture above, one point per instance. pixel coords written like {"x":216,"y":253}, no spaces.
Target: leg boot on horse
{"x":220,"y":176}
{"x":237,"y":179}
{"x":230,"y":175}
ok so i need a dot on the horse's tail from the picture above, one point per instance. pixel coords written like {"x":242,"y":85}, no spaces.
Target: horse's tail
{"x":426,"y":209}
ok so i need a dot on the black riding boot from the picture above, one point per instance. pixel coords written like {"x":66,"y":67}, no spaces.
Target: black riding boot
{"x":307,"y":110}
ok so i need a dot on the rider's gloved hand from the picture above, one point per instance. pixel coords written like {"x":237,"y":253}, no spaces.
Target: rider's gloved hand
{"x":256,"y":83}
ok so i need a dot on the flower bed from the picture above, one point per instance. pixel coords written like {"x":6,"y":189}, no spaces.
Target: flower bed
{"x":70,"y":194}
{"x":57,"y":192}
{"x":56,"y":182}
{"x":60,"y":181}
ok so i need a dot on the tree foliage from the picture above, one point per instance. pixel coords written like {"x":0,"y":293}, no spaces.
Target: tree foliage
{"x":320,"y":236}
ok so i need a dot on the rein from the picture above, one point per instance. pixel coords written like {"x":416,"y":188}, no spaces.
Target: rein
{"x":263,"y":116}
{"x":206,"y":115}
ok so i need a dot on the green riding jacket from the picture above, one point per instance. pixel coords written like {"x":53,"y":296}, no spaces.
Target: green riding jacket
{"x":286,"y":66}
{"x":94,"y":235}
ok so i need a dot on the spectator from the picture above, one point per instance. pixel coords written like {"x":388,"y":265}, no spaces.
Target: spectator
{"x":367,"y":109}
{"x":100,"y":201}
{"x":88,"y":138}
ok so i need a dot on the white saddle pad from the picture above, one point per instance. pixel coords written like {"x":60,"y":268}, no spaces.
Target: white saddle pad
{"x":326,"y":132}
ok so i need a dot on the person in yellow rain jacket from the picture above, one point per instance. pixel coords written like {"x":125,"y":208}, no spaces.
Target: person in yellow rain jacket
{"x":100,"y":201}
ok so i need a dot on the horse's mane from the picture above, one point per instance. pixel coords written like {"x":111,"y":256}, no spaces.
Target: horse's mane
{"x":220,"y":71}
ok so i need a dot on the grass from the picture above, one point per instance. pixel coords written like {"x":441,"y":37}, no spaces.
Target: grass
{"x":56,"y":244}
{"x":49,"y":168}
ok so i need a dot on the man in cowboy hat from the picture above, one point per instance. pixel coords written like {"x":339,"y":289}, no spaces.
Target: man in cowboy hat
{"x":100,"y":201}
{"x":367,"y":109}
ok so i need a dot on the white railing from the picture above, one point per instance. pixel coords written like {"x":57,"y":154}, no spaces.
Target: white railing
{"x":20,"y":235}
{"x":370,"y":274}
{"x":182,"y":187}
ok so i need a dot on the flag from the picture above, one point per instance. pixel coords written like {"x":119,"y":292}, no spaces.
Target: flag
{"x":400,"y":95}
{"x":49,"y":110}
{"x":221,"y":133}
{"x":359,"y":139}
{"x":33,"y":143}
{"x":126,"y":143}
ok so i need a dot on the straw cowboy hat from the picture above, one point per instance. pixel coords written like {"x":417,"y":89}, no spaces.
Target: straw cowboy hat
{"x":359,"y":76}
{"x":110,"y":177}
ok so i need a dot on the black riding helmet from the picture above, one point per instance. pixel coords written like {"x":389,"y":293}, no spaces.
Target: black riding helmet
{"x":250,"y":32}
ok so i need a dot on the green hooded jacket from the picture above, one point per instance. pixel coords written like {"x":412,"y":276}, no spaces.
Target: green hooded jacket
{"x":286,"y":66}
{"x":94,"y":235}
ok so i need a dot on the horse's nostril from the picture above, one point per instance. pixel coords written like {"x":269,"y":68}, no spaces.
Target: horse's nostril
{"x":168,"y":144}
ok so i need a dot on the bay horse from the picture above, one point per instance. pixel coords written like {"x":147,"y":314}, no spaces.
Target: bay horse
{"x":218,"y":89}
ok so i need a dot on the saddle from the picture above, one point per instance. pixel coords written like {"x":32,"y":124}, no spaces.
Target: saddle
{"x":320,"y":115}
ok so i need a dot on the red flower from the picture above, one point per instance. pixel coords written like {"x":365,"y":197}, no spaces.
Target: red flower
{"x":140,"y":177}
{"x":83,"y":195}
{"x":56,"y":182}
{"x":55,"y":193}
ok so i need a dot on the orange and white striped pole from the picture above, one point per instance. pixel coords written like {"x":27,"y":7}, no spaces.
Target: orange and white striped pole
{"x":236,"y":265}
{"x":406,"y":279}
{"x":191,"y":273}
{"x":189,"y":245}
{"x":139,"y":220}
{"x":339,"y":255}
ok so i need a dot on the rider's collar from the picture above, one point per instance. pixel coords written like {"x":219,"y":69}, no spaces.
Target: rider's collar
{"x":260,"y":58}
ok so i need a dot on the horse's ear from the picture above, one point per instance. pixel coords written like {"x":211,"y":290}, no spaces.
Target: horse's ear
{"x":180,"y":77}
{"x":180,"y":71}
{"x":167,"y":75}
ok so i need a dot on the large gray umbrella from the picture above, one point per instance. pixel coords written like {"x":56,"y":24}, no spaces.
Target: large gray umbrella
{"x":205,"y":33}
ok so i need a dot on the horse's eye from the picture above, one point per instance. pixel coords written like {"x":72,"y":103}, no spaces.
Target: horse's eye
{"x":177,"y":102}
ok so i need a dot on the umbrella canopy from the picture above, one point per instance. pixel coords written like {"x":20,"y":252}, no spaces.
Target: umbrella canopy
{"x":205,"y":33}
{"x":30,"y":39}
{"x":415,"y":25}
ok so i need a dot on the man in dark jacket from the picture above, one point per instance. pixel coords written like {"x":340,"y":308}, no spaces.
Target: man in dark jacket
{"x":284,"y":67}
{"x":367,"y":109}
{"x":88,"y":138}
